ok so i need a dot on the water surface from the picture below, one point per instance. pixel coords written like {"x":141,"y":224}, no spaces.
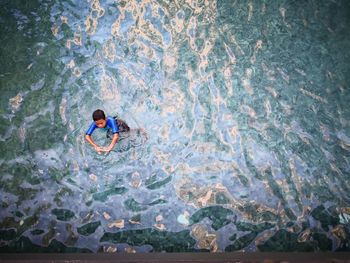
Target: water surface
{"x":240,"y":124}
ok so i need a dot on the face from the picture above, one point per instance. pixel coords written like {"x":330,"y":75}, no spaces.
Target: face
{"x":101,"y":123}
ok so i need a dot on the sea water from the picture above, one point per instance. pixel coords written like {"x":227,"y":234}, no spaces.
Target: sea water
{"x":239,"y":116}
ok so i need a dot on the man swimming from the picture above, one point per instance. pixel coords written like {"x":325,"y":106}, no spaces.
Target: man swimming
{"x":100,"y":121}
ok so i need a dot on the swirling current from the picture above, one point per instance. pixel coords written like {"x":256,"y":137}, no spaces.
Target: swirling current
{"x":239,"y":116}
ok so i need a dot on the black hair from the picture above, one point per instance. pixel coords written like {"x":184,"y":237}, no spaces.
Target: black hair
{"x":98,"y":115}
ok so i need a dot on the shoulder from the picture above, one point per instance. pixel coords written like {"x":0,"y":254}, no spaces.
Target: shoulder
{"x":92,"y":127}
{"x":110,"y":119}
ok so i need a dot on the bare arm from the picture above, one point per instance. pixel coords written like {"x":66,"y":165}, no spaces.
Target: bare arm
{"x":96,"y":147}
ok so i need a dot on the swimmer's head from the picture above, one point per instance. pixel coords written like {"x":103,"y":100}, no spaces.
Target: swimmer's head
{"x":99,"y":118}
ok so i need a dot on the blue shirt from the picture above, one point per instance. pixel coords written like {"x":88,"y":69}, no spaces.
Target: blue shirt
{"x":111,"y":123}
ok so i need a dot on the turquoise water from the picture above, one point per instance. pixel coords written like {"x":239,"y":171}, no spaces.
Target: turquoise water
{"x":240,"y":124}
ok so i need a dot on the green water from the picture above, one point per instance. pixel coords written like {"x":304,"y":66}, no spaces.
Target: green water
{"x":239,"y":115}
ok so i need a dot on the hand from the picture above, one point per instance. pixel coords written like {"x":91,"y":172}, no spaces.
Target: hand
{"x":107,"y":149}
{"x":98,"y":149}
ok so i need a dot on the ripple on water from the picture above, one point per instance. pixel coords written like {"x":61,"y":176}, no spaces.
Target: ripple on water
{"x":239,"y":132}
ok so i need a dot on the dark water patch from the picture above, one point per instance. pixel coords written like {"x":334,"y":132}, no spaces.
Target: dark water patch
{"x":135,"y":219}
{"x":19,"y":214}
{"x":266,"y":175}
{"x":321,"y":214}
{"x":20,"y":45}
{"x":103,"y":196}
{"x":254,"y":171}
{"x":159,"y":184}
{"x":323,"y":242}
{"x":266,"y":216}
{"x":217,"y":214}
{"x":63,"y":214}
{"x":72,"y":236}
{"x":306,"y":189}
{"x":25,"y":245}
{"x":9,"y":222}
{"x":8,"y":234}
{"x":64,"y":191}
{"x":159,"y":240}
{"x":242,"y":178}
{"x":295,"y":227}
{"x":73,"y":182}
{"x":58,"y":174}
{"x":22,"y":225}
{"x":48,"y":237}
{"x":88,"y":228}
{"x":21,"y":173}
{"x":89,"y":202}
{"x":221,"y":199}
{"x":253,"y":211}
{"x":241,"y":242}
{"x":86,"y":216}
{"x":152,"y":182}
{"x":265,"y":74}
{"x":233,"y":237}
{"x":345,"y":243}
{"x":157,"y":202}
{"x":284,"y":241}
{"x":278,"y":193}
{"x":4,"y":204}
{"x":25,"y":194}
{"x":37,"y":232}
{"x":323,"y":193}
{"x":132,"y":205}
{"x":52,"y":132}
{"x":245,"y":226}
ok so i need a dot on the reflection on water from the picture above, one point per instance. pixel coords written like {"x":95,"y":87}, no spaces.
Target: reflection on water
{"x":240,"y":126}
